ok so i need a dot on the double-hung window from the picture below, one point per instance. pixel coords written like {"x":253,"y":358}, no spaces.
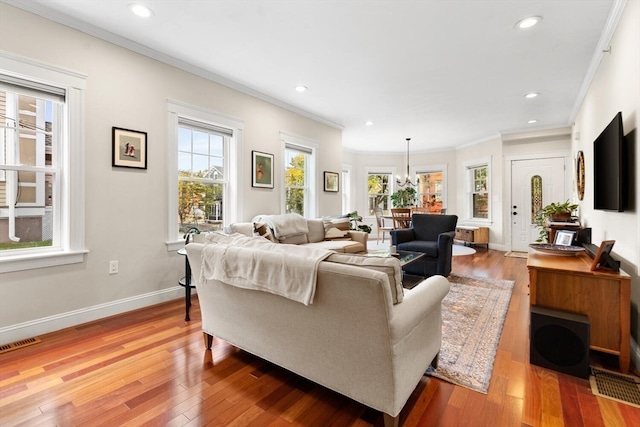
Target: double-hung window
{"x":203,"y":166}
{"x":201,"y":175}
{"x":431,"y":188}
{"x":379,"y":191}
{"x":478,"y":185}
{"x":299,"y":176}
{"x":41,"y":166}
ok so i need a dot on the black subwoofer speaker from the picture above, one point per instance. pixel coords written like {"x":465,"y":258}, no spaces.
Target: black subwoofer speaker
{"x":559,"y":341}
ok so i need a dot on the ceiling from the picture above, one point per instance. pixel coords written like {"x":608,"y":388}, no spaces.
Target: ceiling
{"x":445,"y":73}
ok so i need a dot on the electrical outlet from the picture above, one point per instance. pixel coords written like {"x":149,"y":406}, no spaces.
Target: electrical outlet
{"x":113,"y":267}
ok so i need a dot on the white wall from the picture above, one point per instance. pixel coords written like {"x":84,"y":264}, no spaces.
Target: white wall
{"x":126,"y":210}
{"x":615,"y":87}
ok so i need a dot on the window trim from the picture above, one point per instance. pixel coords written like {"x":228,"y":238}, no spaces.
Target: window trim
{"x":233,"y":192}
{"x":468,"y":167}
{"x":72,"y":180}
{"x":347,"y":188}
{"x":305,"y":144}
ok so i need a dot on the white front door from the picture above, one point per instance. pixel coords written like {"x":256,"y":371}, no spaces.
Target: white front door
{"x":551,"y":173}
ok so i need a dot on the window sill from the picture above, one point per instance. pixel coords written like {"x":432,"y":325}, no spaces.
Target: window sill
{"x":40,"y":260}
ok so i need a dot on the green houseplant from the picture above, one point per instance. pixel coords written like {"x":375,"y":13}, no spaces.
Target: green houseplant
{"x":404,"y":198}
{"x":554,"y":211}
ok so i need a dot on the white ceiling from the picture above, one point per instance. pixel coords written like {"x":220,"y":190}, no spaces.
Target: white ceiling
{"x":445,"y":73}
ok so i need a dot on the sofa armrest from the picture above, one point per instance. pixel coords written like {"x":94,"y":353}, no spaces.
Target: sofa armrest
{"x":445,"y":239}
{"x":418,"y":303}
{"x":360,"y":237}
{"x":402,"y":235}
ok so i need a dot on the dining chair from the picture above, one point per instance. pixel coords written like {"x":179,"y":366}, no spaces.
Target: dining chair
{"x":382,"y":228}
{"x":401,"y":217}
{"x":420,"y":210}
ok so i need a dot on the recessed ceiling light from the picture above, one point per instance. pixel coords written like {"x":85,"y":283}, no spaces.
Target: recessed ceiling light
{"x":532,"y":121}
{"x":531,"y":95}
{"x":368,"y":123}
{"x":301,"y":88}
{"x":140,"y":10}
{"x":528,"y":22}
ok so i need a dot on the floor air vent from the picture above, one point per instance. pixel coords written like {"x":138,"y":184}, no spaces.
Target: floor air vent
{"x":616,"y":386}
{"x":4,"y":348}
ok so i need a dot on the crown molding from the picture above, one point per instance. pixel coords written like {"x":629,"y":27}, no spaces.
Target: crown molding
{"x":76,"y":24}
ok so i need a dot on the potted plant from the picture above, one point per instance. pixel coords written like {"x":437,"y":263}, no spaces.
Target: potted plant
{"x":553,"y":212}
{"x":354,"y":219}
{"x":404,"y":198}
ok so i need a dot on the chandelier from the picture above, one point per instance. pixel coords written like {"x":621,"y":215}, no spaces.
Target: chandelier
{"x":407,"y":181}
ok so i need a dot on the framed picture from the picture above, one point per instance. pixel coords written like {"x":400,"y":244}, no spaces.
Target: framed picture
{"x":129,"y":148}
{"x":261,"y":169}
{"x":602,"y":259}
{"x":564,"y":237}
{"x":331,"y":180}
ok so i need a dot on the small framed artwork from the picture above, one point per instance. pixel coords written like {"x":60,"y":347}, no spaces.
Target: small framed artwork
{"x":601,"y":260}
{"x":331,"y":180}
{"x":564,"y":237}
{"x":129,"y":148}
{"x":261,"y":169}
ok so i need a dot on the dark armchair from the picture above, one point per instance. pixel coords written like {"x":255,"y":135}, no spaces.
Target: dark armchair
{"x":431,"y":234}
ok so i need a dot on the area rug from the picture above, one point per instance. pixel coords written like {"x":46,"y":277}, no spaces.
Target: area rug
{"x":516,"y":254}
{"x":472,"y":317}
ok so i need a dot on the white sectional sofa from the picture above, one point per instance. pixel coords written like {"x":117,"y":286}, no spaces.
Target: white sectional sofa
{"x":361,"y":335}
{"x":315,"y":234}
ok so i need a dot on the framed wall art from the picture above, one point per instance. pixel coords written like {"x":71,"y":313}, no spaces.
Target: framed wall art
{"x":261,"y":169}
{"x":129,"y":148}
{"x":331,"y":182}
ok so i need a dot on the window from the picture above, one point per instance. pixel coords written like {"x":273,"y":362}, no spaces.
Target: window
{"x":346,"y":189}
{"x":201,"y":177}
{"x":431,"y":190}
{"x":379,"y":192}
{"x":203,"y":191}
{"x":41,"y":165}
{"x":479,"y":190}
{"x":299,"y":176}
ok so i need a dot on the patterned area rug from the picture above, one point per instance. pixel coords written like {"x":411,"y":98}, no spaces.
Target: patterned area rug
{"x":472,"y":317}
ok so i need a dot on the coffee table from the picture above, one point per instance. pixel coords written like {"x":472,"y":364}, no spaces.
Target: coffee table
{"x":409,"y":281}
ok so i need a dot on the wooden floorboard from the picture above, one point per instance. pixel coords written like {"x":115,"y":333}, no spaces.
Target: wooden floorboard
{"x":149,"y":368}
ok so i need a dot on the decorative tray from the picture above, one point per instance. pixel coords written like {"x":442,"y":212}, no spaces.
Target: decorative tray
{"x":548,"y":248}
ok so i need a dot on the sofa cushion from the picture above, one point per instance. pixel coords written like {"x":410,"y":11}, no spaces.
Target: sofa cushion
{"x":388,"y":265}
{"x":316,"y":230}
{"x":295,"y":240}
{"x":339,"y":223}
{"x":245,"y":228}
{"x":344,"y":246}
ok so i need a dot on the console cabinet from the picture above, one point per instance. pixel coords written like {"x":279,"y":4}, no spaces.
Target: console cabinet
{"x":568,"y":284}
{"x":473,"y":235}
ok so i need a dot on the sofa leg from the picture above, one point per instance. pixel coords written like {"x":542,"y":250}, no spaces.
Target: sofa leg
{"x":208,"y":340}
{"x":390,"y":421}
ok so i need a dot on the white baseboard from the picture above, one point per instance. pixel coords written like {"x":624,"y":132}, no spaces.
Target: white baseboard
{"x":45,"y":325}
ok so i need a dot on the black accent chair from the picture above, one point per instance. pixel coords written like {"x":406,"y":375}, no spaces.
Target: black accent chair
{"x":431,"y":234}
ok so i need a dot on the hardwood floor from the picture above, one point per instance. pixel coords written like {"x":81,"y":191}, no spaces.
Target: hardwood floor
{"x":149,"y":368}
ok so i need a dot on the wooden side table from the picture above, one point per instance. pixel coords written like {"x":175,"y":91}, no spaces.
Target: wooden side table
{"x":472,"y":235}
{"x":186,"y":283}
{"x":568,"y":284}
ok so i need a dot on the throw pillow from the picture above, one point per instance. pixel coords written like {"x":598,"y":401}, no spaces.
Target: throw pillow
{"x":263,"y":230}
{"x":334,"y":233}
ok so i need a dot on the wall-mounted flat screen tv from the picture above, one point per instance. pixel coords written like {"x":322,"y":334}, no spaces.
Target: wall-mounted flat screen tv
{"x":610,"y":168}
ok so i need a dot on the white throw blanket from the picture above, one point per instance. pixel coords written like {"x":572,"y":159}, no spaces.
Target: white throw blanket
{"x":285,"y":225}
{"x":255,"y":263}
